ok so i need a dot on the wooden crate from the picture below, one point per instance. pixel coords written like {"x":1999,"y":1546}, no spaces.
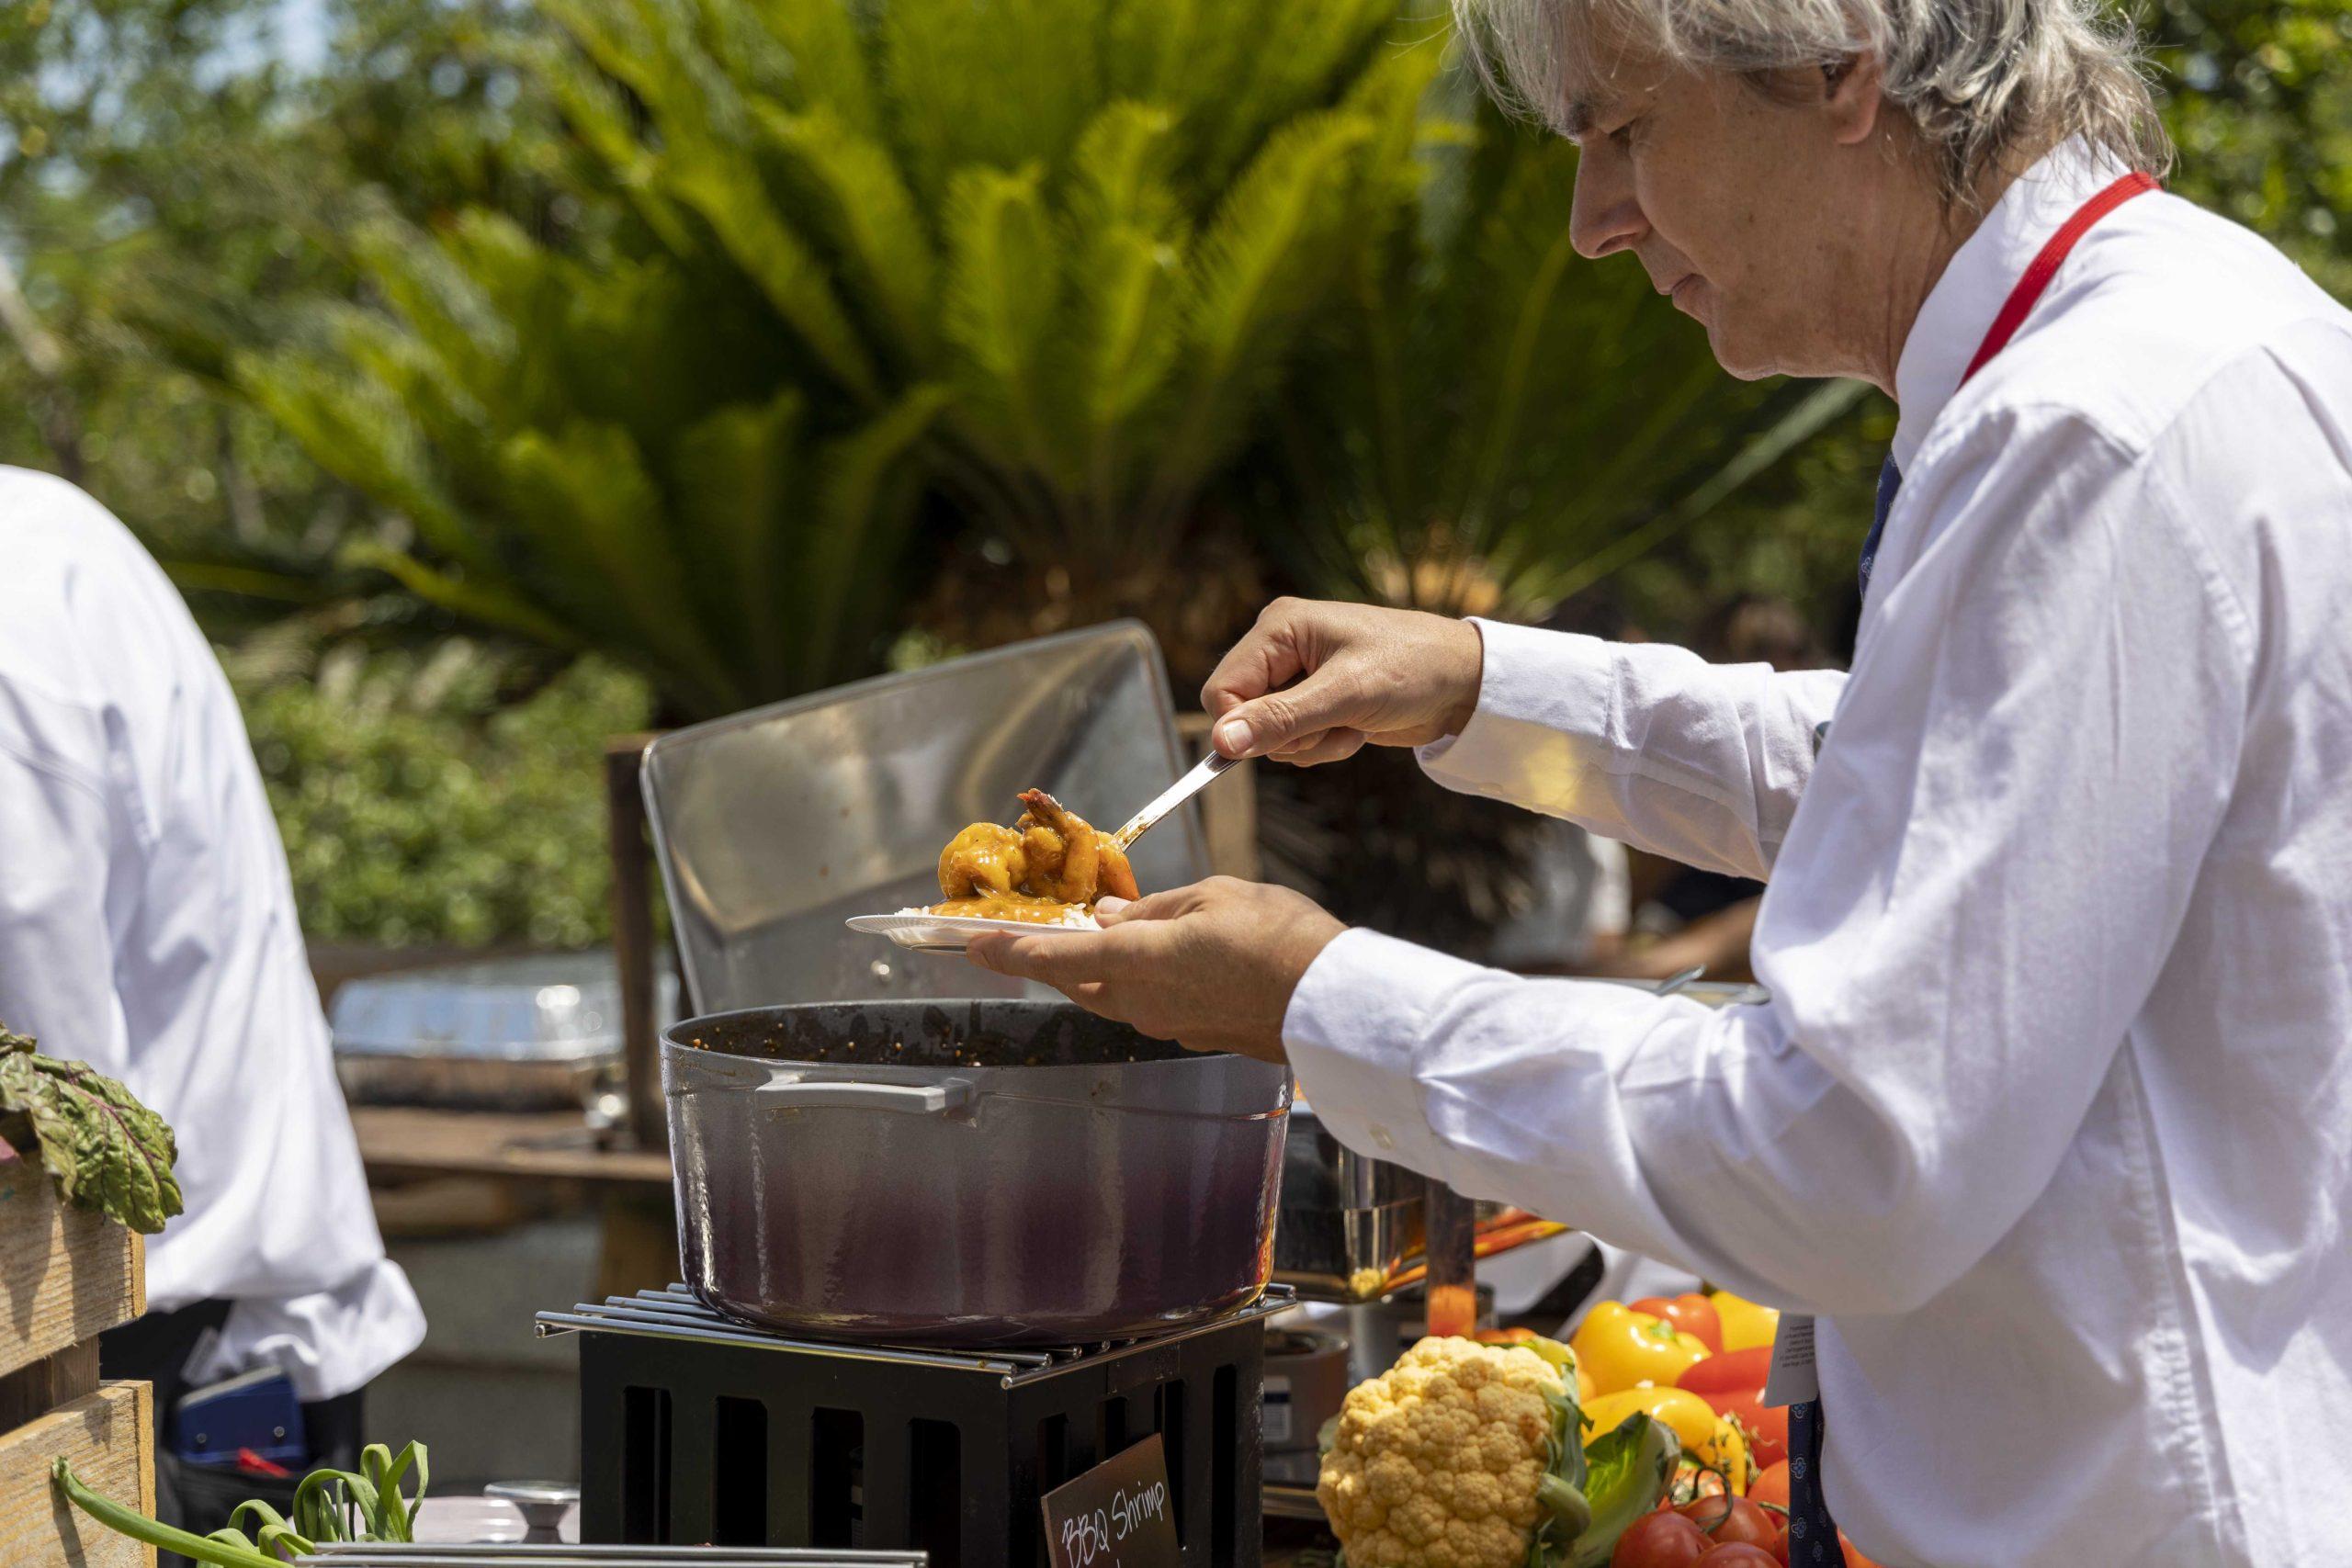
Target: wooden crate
{"x":65,"y":1273}
{"x":108,"y":1438}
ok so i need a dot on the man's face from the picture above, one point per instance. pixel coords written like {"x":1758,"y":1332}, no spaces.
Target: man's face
{"x":1725,"y":195}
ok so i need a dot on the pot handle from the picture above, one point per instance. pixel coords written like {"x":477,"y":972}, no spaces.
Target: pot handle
{"x":848,"y":1094}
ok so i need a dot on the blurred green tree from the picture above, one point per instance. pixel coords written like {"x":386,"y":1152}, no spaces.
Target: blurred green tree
{"x":2258,"y":96}
{"x":173,"y":192}
{"x":419,"y":804}
{"x":1041,"y":261}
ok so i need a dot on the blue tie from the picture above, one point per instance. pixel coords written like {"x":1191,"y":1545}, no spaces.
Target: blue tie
{"x":1813,"y":1538}
{"x":1889,"y":481}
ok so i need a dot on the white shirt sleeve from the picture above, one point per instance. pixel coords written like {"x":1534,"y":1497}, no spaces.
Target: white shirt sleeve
{"x":1640,"y":742}
{"x":56,"y":830}
{"x":1990,"y":865}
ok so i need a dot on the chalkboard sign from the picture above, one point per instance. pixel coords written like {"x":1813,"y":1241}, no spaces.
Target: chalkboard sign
{"x":1117,"y":1515}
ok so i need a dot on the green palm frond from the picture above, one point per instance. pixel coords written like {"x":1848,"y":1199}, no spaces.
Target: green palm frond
{"x":592,"y":104}
{"x":734,"y":474}
{"x":359,"y":429}
{"x":853,"y":194}
{"x":1271,"y":249}
{"x":1131,"y":242}
{"x":864,"y":512}
{"x":482,"y":603}
{"x":713,"y":173}
{"x":1002,"y":294}
{"x":1007,"y":83}
{"x":1299,"y":55}
{"x":1122,"y":169}
{"x":830,"y":60}
{"x":593,"y":525}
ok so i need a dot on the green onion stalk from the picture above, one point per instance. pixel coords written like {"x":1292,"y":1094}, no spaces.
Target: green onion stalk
{"x":336,"y":1505}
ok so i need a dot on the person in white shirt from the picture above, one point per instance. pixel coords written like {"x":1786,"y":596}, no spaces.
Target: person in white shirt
{"x":147,"y":926}
{"x":2050,"y":1115}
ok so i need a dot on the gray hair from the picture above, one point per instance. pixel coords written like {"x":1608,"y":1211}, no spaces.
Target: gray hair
{"x":1984,"y":80}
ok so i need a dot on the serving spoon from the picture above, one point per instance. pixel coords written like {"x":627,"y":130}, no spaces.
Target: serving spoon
{"x":1169,"y":799}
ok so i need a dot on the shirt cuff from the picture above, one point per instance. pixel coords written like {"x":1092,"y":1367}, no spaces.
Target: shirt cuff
{"x":1562,"y":681}
{"x":328,"y":1343}
{"x":1351,"y":1031}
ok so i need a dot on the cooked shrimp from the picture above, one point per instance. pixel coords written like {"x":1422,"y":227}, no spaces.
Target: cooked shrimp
{"x":1051,"y":859}
{"x":1118,"y":876}
{"x":1065,"y":856}
{"x":984,"y":860}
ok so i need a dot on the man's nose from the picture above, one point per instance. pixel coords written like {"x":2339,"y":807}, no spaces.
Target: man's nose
{"x":1604,"y":217}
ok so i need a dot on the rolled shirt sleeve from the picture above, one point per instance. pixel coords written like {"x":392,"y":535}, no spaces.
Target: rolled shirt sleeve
{"x":1991,"y":857}
{"x":1642,"y":743}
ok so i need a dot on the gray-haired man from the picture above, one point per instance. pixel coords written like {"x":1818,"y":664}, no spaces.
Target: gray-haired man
{"x":2050,"y":1117}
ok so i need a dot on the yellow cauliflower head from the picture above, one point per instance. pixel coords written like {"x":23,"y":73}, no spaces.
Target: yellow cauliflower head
{"x":1437,"y":1462}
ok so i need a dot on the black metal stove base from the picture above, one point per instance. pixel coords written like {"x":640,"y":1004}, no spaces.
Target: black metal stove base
{"x":693,"y":1429}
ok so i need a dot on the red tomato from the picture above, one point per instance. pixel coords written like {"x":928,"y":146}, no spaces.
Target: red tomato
{"x":1771,"y":1485}
{"x":1731,"y":1518}
{"x":1661,"y":1540}
{"x":1780,"y":1551}
{"x":1767,"y":1426}
{"x":1695,"y":1315}
{"x":1734,"y":1371}
{"x":1736,"y":1555}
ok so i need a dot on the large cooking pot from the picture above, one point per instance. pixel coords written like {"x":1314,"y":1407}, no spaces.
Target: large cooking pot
{"x":967,"y":1172}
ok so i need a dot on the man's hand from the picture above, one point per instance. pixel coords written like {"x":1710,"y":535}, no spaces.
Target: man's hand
{"x":1313,"y":682}
{"x":1211,"y":966}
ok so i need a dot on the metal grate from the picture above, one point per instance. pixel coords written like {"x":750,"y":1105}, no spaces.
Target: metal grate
{"x":676,"y":1314}
{"x":696,"y":1428}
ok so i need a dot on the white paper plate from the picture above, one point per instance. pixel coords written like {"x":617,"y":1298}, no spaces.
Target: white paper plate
{"x":951,"y":933}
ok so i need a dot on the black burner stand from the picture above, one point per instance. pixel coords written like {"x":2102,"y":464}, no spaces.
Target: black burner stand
{"x":685,"y":1441}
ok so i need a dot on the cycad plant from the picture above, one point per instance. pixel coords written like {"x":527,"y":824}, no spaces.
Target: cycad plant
{"x":1040,"y":260}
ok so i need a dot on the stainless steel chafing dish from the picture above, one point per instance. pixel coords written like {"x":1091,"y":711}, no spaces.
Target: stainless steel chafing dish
{"x":527,"y":1034}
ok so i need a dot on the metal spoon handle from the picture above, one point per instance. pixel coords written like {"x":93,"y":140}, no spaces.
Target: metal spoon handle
{"x":1169,"y":799}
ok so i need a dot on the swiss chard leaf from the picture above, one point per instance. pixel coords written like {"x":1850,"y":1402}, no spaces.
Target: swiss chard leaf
{"x":104,"y":1149}
{"x":1627,"y":1472}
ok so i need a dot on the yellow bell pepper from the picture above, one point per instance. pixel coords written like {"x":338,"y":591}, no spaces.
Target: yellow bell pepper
{"x":1690,"y":1418}
{"x":1621,"y":1347}
{"x":1726,"y":1450}
{"x":1745,"y":1324}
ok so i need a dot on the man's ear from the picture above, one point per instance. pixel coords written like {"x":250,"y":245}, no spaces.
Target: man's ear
{"x":1851,"y":94}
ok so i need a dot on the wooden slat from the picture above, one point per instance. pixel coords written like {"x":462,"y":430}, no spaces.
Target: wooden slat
{"x":30,"y":1392}
{"x":107,"y":1438}
{"x":405,"y":1141}
{"x":633,"y":941}
{"x":65,"y":1273}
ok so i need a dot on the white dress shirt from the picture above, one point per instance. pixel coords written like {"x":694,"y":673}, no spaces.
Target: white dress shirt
{"x":2050,"y":1117}
{"x":147,"y":926}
